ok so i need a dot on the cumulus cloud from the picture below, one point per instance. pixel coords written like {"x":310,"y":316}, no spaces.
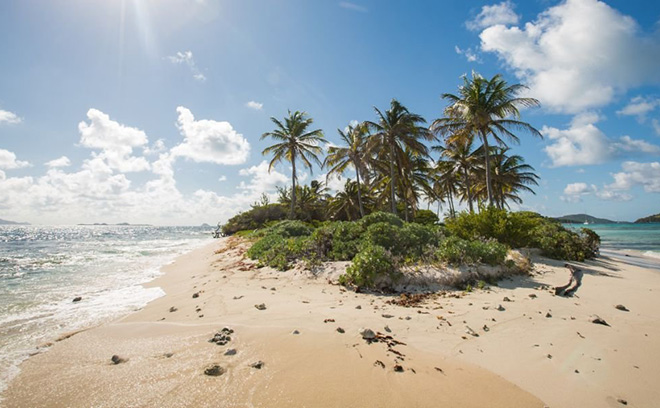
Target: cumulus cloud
{"x":262,"y":180}
{"x":496,"y":14}
{"x":583,"y":144}
{"x":646,"y":175}
{"x":209,"y":140}
{"x":60,"y":162}
{"x":639,"y":107}
{"x":334,"y":183}
{"x":9,"y":117}
{"x":575,"y":192}
{"x":577,"y":55}
{"x":254,"y":105}
{"x":186,"y":57}
{"x":8,"y":161}
{"x":352,"y":6}
{"x":115,"y":141}
{"x":470,"y":55}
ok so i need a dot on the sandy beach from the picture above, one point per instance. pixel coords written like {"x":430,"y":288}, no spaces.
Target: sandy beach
{"x":454,"y":349}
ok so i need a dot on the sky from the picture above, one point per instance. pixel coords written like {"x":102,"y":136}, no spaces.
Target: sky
{"x":151,"y":111}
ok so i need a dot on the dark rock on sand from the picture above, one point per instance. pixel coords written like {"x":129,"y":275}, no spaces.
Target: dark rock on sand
{"x":598,"y":320}
{"x":398,"y":368}
{"x":258,"y":365}
{"x":340,"y":330}
{"x":230,"y":352}
{"x":195,"y":295}
{"x":506,"y":299}
{"x":295,"y":332}
{"x":222,"y":337}
{"x":622,"y":308}
{"x":500,"y":308}
{"x":173,"y":309}
{"x":379,"y":363}
{"x":77,"y":299}
{"x":117,"y":360}
{"x":621,"y":400}
{"x":367,"y":334}
{"x":261,"y":306}
{"x":214,"y":370}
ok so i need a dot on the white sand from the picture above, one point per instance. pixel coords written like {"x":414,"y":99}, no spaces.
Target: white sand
{"x":507,"y":365}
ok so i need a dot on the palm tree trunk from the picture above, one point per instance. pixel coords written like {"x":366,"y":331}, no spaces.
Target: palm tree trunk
{"x":392,"y":180}
{"x":293,"y":185}
{"x":452,"y":211}
{"x":357,"y":173}
{"x":489,"y":187}
{"x":469,"y":189}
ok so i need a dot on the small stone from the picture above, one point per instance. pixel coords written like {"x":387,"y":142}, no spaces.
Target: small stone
{"x":471,"y":332}
{"x":117,"y":360}
{"x":398,"y":368}
{"x":408,"y":317}
{"x":214,"y":370}
{"x":358,"y":307}
{"x":532,"y":296}
{"x":173,"y":309}
{"x":195,"y":296}
{"x":598,"y":320}
{"x":230,"y":352}
{"x":548,"y":315}
{"x":329,"y":321}
{"x":387,"y":316}
{"x":340,"y":330}
{"x":77,"y":299}
{"x":168,"y":355}
{"x":506,"y":299}
{"x":622,"y":308}
{"x":295,"y":332}
{"x":387,"y":329}
{"x":367,"y":334}
{"x":577,"y":371}
{"x":486,"y":328}
{"x":261,"y":306}
{"x":379,"y":363}
{"x":273,"y":289}
{"x":549,"y":356}
{"x":258,"y":365}
{"x":500,"y":308}
{"x":621,"y":400}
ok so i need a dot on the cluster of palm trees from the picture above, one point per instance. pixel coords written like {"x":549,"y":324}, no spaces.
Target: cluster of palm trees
{"x":393,"y":164}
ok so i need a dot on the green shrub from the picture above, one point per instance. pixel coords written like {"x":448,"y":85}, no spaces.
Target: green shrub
{"x":415,"y":238}
{"x":457,"y":251}
{"x":278,"y":252}
{"x":381,"y":216}
{"x":291,"y":228}
{"x":426,"y":217}
{"x":385,"y":235}
{"x":338,"y":241}
{"x":254,"y":218}
{"x":372,"y":267}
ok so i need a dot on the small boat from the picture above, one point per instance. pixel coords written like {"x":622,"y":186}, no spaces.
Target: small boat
{"x":586,"y":222}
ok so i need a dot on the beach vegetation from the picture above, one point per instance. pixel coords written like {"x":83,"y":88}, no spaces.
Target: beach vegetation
{"x":372,"y":267}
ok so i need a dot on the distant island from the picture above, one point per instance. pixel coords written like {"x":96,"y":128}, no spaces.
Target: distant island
{"x":649,"y":219}
{"x":123,"y":224}
{"x":581,"y":218}
{"x":7,"y":222}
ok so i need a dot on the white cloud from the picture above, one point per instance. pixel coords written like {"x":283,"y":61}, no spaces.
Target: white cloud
{"x":583,"y":144}
{"x":646,"y":175}
{"x":639,"y":107}
{"x":9,"y":117}
{"x":352,"y":6}
{"x":575,"y":192}
{"x":8,"y":161}
{"x":334,"y":183}
{"x":209,"y":140}
{"x":186,"y":57}
{"x":496,"y":14}
{"x":60,"y":162}
{"x":656,"y":126}
{"x":222,"y":178}
{"x":470,"y":55}
{"x":577,"y":55}
{"x":115,"y":140}
{"x":254,"y":105}
{"x":262,"y":180}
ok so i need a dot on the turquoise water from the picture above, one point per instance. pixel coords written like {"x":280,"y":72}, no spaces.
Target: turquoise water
{"x":644,"y":238}
{"x":42,"y":268}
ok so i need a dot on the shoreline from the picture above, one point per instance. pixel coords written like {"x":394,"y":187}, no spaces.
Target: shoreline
{"x":322,"y":366}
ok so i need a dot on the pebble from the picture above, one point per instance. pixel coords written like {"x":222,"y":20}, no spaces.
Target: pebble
{"x":117,"y":360}
{"x":622,"y":308}
{"x":506,"y":299}
{"x":387,"y":316}
{"x":195,"y":295}
{"x":214,"y":370}
{"x":258,"y":365}
{"x":173,"y":309}
{"x":500,"y":308}
{"x":77,"y":299}
{"x":295,"y":332}
{"x":340,"y":330}
{"x":358,"y":307}
{"x":367,"y":334}
{"x":387,"y":329}
{"x":230,"y":352}
{"x":261,"y":306}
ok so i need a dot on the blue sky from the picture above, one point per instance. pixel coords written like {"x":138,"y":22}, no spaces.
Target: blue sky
{"x":151,"y":111}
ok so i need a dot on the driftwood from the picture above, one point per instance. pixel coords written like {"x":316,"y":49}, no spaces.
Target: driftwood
{"x":573,"y":285}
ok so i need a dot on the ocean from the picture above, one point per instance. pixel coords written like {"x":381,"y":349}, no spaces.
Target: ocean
{"x":642,"y":239}
{"x":43,"y":268}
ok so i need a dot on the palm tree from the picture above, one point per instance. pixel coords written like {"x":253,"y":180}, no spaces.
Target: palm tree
{"x":445,"y":183}
{"x":510,"y":175}
{"x":486,"y":108}
{"x":344,"y":205}
{"x":458,"y":153}
{"x":398,"y":129}
{"x":295,"y":141}
{"x":354,"y":154}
